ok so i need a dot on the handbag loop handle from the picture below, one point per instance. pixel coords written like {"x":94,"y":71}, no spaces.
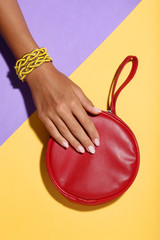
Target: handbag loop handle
{"x":115,"y":95}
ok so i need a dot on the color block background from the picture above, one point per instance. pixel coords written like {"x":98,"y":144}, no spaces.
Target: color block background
{"x":70,"y":31}
{"x":31,"y":208}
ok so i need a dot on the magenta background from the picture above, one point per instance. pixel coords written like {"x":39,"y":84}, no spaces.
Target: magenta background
{"x":71,"y":31}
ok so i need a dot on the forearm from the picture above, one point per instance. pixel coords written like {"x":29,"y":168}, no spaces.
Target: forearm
{"x":14,"y":29}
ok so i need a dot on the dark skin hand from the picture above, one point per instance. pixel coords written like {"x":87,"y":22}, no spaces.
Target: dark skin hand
{"x":58,"y":100}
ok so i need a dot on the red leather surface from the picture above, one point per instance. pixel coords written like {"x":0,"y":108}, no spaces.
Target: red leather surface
{"x":97,"y":178}
{"x":100,"y":177}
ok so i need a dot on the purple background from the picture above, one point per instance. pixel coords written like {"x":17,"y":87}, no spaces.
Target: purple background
{"x":71,"y":31}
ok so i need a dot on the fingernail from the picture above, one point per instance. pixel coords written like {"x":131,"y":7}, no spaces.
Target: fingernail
{"x":91,"y":149}
{"x":65,"y":144}
{"x":96,"y":141}
{"x":81,"y":149}
{"x":97,"y":110}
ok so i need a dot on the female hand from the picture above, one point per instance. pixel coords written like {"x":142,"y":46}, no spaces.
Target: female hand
{"x":60,"y":102}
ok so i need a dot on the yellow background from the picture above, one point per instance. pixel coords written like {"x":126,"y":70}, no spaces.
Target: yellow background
{"x":30,"y":206}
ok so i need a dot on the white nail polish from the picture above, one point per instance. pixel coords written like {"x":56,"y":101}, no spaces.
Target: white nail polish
{"x":65,"y":144}
{"x":91,"y":149}
{"x":97,"y":110}
{"x":96,"y":141}
{"x":81,"y":149}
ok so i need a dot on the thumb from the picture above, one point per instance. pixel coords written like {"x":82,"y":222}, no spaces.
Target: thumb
{"x":86,"y":102}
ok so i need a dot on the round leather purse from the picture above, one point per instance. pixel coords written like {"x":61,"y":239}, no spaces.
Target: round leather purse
{"x":92,"y":179}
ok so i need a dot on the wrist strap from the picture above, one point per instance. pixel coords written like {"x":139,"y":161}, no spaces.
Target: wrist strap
{"x":114,"y":95}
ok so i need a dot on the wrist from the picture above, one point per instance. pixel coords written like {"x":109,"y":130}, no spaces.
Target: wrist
{"x":37,"y":73}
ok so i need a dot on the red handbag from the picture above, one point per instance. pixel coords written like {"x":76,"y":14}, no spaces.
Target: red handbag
{"x":93,"y":179}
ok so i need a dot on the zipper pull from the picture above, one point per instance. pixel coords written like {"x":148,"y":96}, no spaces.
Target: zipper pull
{"x":109,"y":111}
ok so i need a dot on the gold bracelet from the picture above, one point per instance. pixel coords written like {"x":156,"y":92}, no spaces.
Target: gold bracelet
{"x":30,"y":61}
